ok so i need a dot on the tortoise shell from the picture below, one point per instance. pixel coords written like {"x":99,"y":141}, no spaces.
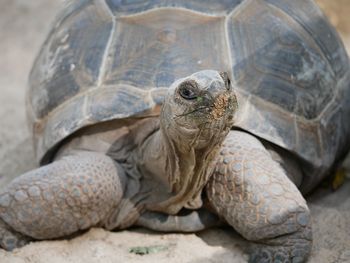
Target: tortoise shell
{"x":113,"y":59}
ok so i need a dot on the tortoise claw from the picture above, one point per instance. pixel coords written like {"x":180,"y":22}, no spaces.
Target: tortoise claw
{"x":10,"y":239}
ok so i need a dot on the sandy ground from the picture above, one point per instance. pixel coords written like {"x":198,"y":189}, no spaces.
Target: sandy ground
{"x":23,"y":25}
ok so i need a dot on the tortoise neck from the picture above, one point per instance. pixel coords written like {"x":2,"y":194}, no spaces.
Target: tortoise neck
{"x":182,"y":169}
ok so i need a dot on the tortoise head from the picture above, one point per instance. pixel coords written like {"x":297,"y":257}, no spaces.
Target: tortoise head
{"x":199,"y":109}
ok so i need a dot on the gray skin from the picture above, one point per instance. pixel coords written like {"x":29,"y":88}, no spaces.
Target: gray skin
{"x":145,"y":172}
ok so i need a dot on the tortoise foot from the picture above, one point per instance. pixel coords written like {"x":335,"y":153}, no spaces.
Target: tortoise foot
{"x":10,"y":239}
{"x":60,"y":199}
{"x":254,"y":194}
{"x":290,"y":248}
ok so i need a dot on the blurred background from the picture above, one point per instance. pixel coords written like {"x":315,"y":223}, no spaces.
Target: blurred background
{"x":338,"y":12}
{"x":23,"y":27}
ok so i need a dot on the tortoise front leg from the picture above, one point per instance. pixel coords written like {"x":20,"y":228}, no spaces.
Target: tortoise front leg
{"x":56,"y":200}
{"x":255,"y":196}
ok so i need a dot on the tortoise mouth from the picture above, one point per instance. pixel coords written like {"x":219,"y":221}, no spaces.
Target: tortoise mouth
{"x":210,"y":110}
{"x":199,"y":125}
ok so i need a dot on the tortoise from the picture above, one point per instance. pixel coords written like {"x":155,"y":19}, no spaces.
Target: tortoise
{"x":182,"y":115}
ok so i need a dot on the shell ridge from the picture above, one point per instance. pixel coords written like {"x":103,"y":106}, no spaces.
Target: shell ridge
{"x":104,"y":63}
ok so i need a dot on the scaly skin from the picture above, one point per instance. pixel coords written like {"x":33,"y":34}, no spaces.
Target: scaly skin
{"x":10,"y":239}
{"x":254,"y":195}
{"x":58,"y":199}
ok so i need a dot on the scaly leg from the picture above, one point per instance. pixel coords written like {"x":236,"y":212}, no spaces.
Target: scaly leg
{"x":253,"y":193}
{"x":56,"y":200}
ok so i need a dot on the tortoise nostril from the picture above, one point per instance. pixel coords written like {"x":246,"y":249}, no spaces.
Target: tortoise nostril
{"x":226,"y":79}
{"x":228,"y":84}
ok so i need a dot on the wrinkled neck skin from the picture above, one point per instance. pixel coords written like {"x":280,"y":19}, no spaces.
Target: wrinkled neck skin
{"x":182,"y":160}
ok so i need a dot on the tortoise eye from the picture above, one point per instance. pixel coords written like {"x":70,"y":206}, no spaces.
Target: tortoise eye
{"x":188,"y":92}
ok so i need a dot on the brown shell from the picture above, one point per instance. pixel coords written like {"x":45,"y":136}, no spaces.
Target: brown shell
{"x":114,"y":59}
